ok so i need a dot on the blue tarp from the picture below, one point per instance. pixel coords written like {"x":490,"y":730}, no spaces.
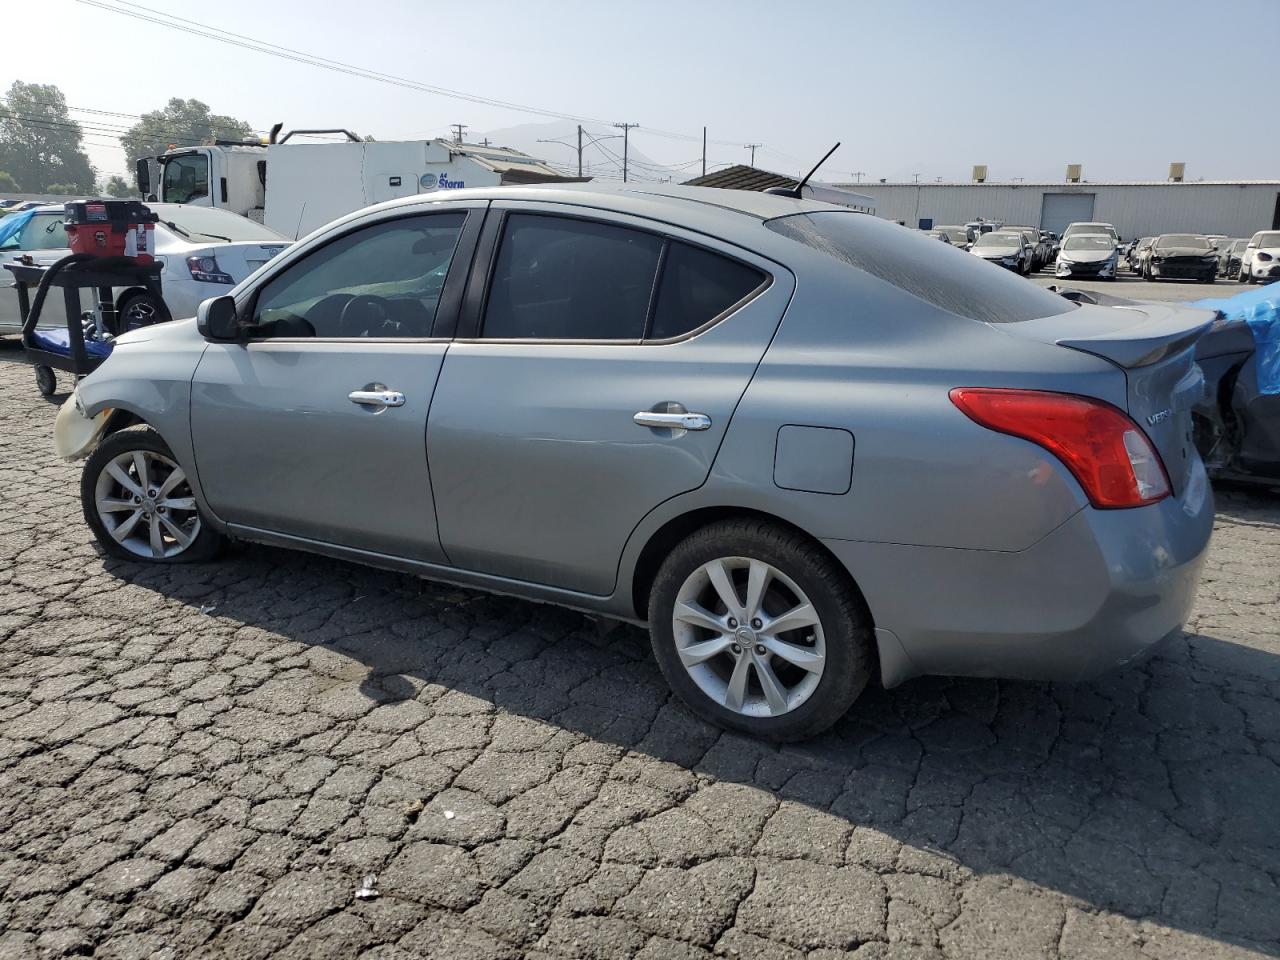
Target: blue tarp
{"x":57,"y":340}
{"x":12,"y":225}
{"x":1260,"y":309}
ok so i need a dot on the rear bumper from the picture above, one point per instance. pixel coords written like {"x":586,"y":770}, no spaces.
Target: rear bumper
{"x":1099,"y":591}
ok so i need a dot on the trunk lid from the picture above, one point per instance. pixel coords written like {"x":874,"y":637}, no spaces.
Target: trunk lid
{"x":1154,"y":345}
{"x":242,"y":258}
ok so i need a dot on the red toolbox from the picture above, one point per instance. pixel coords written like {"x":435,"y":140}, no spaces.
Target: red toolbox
{"x":112,"y":228}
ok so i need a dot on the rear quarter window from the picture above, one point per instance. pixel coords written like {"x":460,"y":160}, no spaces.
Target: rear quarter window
{"x":937,"y":273}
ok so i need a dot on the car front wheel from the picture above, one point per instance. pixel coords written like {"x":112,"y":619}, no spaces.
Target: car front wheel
{"x":758,"y":630}
{"x":139,"y":504}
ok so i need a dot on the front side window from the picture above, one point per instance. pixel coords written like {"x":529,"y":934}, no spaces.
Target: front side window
{"x":44,"y":231}
{"x":558,"y":278}
{"x":380,"y":281}
{"x":186,"y":178}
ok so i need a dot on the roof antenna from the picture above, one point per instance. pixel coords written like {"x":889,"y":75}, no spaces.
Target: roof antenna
{"x":795,"y":191}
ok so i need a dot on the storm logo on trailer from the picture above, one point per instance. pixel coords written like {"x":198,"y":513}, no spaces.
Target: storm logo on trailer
{"x":429,"y":181}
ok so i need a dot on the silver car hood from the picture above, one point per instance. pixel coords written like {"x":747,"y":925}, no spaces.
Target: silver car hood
{"x":175,"y":332}
{"x":1085,"y":256}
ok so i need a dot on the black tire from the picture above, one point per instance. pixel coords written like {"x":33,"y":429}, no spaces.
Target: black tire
{"x":844,"y":619}
{"x":207,"y":541}
{"x":46,"y":380}
{"x":141,"y":310}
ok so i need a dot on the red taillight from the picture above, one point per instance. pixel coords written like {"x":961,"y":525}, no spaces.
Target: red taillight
{"x":1101,"y":446}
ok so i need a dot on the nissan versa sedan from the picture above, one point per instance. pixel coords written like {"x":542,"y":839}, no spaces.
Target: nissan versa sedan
{"x":805,"y":447}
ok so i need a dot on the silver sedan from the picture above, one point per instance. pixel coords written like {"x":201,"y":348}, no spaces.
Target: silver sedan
{"x":807,"y":448}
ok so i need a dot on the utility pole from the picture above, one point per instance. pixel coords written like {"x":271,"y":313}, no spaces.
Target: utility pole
{"x":704,"y":151}
{"x":579,"y":151}
{"x":626,"y":130}
{"x":457,"y":131}
{"x":752,"y":148}
{"x":916,"y":177}
{"x":858,"y":175}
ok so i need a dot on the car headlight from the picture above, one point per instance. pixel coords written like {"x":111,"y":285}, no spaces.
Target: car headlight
{"x":206,"y":269}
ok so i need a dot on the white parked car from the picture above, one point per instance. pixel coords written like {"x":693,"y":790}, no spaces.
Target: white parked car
{"x":1260,"y":262}
{"x":1088,"y":255}
{"x":205,"y":253}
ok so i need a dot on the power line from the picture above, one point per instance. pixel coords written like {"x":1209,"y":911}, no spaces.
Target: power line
{"x":159,"y":18}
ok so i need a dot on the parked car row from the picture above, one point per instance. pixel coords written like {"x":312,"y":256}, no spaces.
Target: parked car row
{"x":1204,"y":257}
{"x":204,"y":251}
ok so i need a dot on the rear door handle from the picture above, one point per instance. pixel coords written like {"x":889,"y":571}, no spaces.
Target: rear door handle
{"x":377,"y":398}
{"x":673,"y":421}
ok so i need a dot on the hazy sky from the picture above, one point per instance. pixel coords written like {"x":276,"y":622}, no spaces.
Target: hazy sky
{"x":926,"y":87}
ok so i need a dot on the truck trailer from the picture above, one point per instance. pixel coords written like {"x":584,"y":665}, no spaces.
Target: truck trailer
{"x":296,"y":187}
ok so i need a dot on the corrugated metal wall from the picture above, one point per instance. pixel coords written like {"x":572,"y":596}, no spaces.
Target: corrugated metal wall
{"x":1136,"y":210}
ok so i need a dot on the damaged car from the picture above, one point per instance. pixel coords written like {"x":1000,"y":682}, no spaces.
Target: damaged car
{"x":1181,"y":256}
{"x":1088,"y":255}
{"x":1237,"y":424}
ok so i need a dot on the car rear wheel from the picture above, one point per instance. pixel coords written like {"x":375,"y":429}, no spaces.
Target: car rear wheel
{"x":139,"y":504}
{"x":141,"y":310}
{"x":758,"y":630}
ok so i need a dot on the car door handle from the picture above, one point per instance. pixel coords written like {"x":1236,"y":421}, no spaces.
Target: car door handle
{"x":673,"y":421}
{"x":377,"y":398}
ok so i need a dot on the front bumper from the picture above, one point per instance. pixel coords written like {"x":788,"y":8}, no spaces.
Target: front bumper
{"x":1101,"y":590}
{"x":1265,"y":271}
{"x":1104,"y":269}
{"x":998,"y":262}
{"x":1179,"y":269}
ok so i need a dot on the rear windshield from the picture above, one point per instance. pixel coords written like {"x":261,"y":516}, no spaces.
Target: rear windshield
{"x":937,"y":273}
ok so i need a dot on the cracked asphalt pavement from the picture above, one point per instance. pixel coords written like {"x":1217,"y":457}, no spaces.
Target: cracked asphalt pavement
{"x":207,"y":761}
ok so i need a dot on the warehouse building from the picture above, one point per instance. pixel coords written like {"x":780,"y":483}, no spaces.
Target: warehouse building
{"x":1235,"y":208}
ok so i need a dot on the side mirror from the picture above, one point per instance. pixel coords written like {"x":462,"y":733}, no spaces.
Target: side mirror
{"x":143,"y":173}
{"x":216,"y":319}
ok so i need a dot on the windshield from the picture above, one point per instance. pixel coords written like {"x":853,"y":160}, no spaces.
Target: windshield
{"x":936,"y":273}
{"x":185,"y":178}
{"x":206,"y":222}
{"x":1084,"y":241}
{"x":998,"y":240}
{"x":957,"y":235}
{"x":1182,"y":240}
{"x":1269,"y":240}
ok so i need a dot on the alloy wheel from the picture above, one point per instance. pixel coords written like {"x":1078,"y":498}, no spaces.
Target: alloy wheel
{"x":139,"y":313}
{"x":144,"y":501}
{"x":748,"y":637}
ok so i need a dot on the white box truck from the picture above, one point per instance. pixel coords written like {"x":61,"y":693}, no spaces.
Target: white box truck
{"x":295,"y":187}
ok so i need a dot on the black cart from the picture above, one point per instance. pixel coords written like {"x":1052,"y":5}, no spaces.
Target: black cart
{"x":51,"y":348}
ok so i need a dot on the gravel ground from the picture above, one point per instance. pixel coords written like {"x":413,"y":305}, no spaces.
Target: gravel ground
{"x":207,"y":760}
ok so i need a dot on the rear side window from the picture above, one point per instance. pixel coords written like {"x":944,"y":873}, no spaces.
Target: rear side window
{"x":558,"y":278}
{"x":937,"y":273}
{"x":696,"y":287}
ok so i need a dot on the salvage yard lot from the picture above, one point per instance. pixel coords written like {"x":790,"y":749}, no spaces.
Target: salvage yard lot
{"x":207,"y":761}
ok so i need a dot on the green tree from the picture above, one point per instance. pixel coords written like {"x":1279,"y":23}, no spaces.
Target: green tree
{"x":39,"y":142}
{"x":118,"y":186}
{"x":182,"y":123}
{"x":64,"y":190}
{"x":8,"y":184}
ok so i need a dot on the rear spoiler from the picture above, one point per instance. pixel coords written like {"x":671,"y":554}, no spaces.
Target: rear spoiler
{"x":1169,"y":330}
